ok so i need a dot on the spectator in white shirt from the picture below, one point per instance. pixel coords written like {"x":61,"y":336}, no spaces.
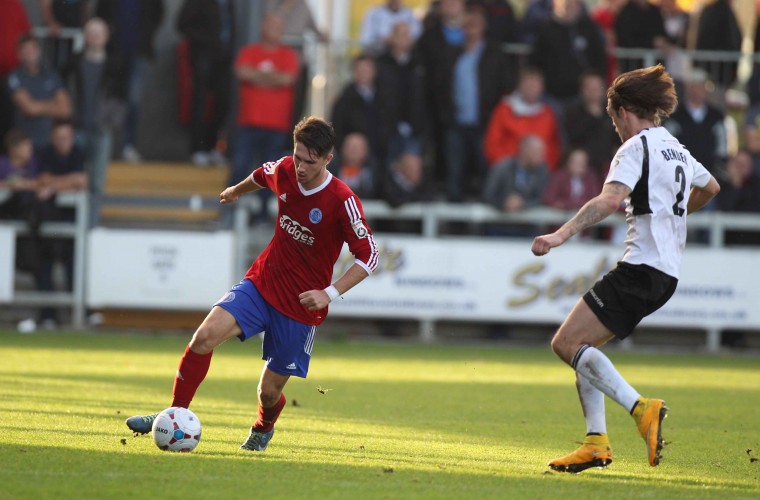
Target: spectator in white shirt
{"x":379,"y":21}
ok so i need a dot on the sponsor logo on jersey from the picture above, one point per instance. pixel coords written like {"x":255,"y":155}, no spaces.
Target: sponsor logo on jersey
{"x":315,"y":216}
{"x":299,"y":233}
{"x":359,"y":229}
{"x":284,"y":197}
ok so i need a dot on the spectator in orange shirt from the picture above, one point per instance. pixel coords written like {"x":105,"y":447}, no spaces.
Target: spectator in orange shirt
{"x":519,"y":115}
{"x":267,"y":73}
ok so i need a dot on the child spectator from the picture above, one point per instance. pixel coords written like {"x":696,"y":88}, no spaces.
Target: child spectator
{"x":574,"y":184}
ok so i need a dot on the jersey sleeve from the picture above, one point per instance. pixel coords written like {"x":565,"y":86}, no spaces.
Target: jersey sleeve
{"x":701,"y":175}
{"x":358,"y":234}
{"x":266,"y":175}
{"x":627,"y":163}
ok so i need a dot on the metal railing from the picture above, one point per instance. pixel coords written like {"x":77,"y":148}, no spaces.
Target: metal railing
{"x":77,"y":231}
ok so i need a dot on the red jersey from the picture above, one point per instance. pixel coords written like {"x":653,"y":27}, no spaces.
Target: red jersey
{"x":267,"y":107}
{"x":309,"y":234}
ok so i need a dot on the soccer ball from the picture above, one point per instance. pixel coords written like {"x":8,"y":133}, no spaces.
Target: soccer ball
{"x":177,"y":429}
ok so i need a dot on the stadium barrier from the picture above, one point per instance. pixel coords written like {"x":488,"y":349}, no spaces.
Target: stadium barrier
{"x":428,"y":275}
{"x":76,"y":230}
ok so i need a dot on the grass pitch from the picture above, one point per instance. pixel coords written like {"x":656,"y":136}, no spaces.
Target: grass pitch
{"x":400,"y":421}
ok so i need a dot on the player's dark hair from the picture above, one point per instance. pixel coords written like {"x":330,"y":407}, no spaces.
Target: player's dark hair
{"x":648,"y":93}
{"x":316,"y":134}
{"x":14,"y":137}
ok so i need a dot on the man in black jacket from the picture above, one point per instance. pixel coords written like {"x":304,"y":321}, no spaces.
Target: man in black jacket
{"x":209,"y":26}
{"x":568,"y":44}
{"x":360,"y":108}
{"x":399,"y":80}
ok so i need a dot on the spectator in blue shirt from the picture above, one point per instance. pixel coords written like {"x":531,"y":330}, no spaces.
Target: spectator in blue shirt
{"x":38,"y":94}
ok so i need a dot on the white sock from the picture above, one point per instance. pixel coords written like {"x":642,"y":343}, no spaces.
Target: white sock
{"x":592,"y":402}
{"x":599,"y":371}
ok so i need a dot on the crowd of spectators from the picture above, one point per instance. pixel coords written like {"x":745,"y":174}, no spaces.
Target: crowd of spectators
{"x":435,"y":109}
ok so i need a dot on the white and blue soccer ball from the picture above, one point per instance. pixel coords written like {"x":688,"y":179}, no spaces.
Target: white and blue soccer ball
{"x":177,"y":429}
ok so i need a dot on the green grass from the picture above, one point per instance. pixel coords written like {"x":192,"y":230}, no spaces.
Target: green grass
{"x":401,"y":421}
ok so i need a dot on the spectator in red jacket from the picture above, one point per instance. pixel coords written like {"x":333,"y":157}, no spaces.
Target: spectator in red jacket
{"x":519,"y":115}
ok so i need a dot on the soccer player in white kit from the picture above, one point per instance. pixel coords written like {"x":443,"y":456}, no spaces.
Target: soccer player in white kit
{"x":660,"y":183}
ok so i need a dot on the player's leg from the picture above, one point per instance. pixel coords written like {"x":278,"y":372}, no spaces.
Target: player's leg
{"x":218,"y":326}
{"x":595,"y":451}
{"x":577,"y":342}
{"x":287,"y":351}
{"x":238,"y":313}
{"x":271,"y":402}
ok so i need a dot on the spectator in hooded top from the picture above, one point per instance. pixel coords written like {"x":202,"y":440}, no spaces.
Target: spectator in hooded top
{"x":519,"y":115}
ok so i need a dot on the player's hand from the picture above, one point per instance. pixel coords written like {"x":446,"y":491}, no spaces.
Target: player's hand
{"x":314,"y":300}
{"x":542,"y":244}
{"x":228,"y":196}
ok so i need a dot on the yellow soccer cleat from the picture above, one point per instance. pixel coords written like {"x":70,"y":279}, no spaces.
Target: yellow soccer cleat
{"x":595,"y":452}
{"x":648,"y":414}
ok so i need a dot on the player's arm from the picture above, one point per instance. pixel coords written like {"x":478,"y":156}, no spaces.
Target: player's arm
{"x":315,"y":300}
{"x":701,"y":196}
{"x":595,"y":210}
{"x":232,"y":193}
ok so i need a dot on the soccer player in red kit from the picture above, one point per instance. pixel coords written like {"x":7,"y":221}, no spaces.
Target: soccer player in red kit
{"x":286,"y":291}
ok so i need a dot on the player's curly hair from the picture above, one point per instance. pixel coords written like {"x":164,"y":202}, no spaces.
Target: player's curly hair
{"x":316,"y":134}
{"x":648,"y":93}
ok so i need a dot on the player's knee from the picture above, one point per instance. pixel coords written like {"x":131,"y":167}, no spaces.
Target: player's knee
{"x":204,"y":340}
{"x":268,"y":396}
{"x":560,"y":346}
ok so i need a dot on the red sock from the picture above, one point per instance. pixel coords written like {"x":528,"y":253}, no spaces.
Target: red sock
{"x":192,"y":370}
{"x":268,"y":416}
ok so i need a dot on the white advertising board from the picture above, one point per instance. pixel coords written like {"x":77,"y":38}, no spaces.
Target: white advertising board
{"x":158,"y":269}
{"x":503,"y":281}
{"x":7,"y":262}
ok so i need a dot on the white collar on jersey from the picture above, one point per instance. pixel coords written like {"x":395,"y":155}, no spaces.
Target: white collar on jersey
{"x":318,"y":188}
